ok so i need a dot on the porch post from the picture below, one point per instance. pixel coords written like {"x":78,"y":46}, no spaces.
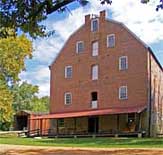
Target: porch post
{"x":75,"y":125}
{"x":45,"y":130}
{"x":139,"y":121}
{"x":95,"y":125}
{"x":41,"y":127}
{"x":57,"y":127}
{"x":118,"y":122}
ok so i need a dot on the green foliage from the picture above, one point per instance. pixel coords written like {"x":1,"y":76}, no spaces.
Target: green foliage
{"x":25,"y":98}
{"x":27,"y":15}
{"x":40,"y":104}
{"x":23,"y":95}
{"x":5,"y":106}
{"x":13,"y":51}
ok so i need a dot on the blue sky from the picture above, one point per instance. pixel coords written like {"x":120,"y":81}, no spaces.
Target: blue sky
{"x":141,"y":19}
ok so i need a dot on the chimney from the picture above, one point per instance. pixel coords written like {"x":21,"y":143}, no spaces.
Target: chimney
{"x":87,"y":19}
{"x":103,"y":15}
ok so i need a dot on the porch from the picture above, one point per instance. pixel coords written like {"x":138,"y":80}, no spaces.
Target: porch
{"x":90,"y":123}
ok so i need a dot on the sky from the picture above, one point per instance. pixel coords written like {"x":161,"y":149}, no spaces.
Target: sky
{"x":141,"y":19}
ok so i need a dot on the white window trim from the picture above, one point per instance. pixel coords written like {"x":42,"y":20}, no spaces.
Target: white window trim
{"x":66,"y":71}
{"x":77,"y":46}
{"x":108,"y":40}
{"x":97,"y":52}
{"x":92,"y":75}
{"x":120,"y":93}
{"x":120,"y":62}
{"x":65,"y":94}
{"x":95,"y":19}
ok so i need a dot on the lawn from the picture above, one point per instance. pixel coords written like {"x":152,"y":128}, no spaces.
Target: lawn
{"x":87,"y":142}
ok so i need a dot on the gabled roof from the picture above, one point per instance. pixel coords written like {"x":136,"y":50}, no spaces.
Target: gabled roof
{"x":126,"y":28}
{"x":64,"y":45}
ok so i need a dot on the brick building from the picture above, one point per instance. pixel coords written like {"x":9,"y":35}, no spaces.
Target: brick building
{"x":105,"y":80}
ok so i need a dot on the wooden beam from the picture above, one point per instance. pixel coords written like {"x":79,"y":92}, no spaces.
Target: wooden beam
{"x":41,"y":124}
{"x":74,"y":124}
{"x":57,"y":127}
{"x":118,"y":122}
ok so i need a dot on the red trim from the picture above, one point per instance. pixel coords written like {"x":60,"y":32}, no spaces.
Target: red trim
{"x":93,"y":112}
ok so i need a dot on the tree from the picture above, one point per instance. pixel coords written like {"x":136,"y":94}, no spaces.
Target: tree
{"x":25,"y":98}
{"x":5,"y":106}
{"x":27,"y":15}
{"x":13,"y":51}
{"x":41,"y":104}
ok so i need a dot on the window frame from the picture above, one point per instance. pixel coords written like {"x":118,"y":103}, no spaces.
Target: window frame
{"x":97,"y":74}
{"x":121,"y":87}
{"x":96,"y":53}
{"x":77,"y":49}
{"x":65,"y":98}
{"x":95,"y":19}
{"x":61,"y":122}
{"x":109,"y":35}
{"x":66,"y":75}
{"x":120,"y":60}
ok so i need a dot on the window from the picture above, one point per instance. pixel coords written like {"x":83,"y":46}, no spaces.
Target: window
{"x":123,"y":92}
{"x":95,"y":48}
{"x":111,"y":40}
{"x":68,"y":98}
{"x":61,"y":122}
{"x":79,"y":47}
{"x":94,"y":72}
{"x":94,"y":103}
{"x":68,"y":72}
{"x":94,"y":25}
{"x":94,"y":96}
{"x":123,"y":63}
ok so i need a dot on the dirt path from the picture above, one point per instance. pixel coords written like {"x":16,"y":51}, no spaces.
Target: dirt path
{"x":39,"y":150}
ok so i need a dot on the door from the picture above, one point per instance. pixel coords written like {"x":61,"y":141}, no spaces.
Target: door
{"x":93,"y":124}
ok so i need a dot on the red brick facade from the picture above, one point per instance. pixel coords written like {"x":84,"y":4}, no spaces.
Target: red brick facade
{"x":110,"y":77}
{"x":143,"y":79}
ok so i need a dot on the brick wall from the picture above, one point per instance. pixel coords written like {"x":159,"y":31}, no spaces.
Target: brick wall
{"x":110,"y":78}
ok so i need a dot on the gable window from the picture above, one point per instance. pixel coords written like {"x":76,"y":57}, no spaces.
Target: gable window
{"x":95,"y":48}
{"x":111,"y":40}
{"x":68,"y":72}
{"x":68,"y":98}
{"x":123,"y":92}
{"x":79,"y":47}
{"x":123,"y":63}
{"x":94,"y":25}
{"x":94,"y":72}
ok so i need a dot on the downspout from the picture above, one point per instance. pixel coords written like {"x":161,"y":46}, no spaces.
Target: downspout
{"x":150,"y":98}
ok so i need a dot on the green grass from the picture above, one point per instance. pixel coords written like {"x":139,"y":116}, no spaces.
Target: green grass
{"x":87,"y":142}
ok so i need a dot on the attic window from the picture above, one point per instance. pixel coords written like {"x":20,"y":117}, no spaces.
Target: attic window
{"x":94,"y":25}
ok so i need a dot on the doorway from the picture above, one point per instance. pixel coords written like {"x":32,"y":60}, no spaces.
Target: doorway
{"x":93,"y":124}
{"x":21,"y":122}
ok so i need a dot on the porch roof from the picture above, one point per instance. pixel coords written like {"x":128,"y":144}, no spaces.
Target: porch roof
{"x":121,"y":110}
